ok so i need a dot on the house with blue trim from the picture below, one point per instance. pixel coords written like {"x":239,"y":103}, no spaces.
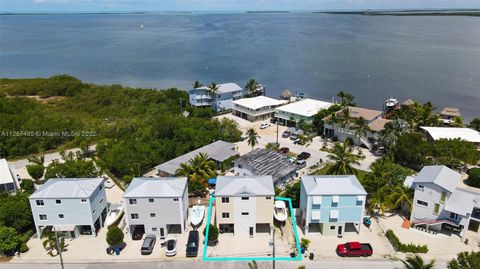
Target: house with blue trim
{"x":331,"y":205}
{"x":221,"y":100}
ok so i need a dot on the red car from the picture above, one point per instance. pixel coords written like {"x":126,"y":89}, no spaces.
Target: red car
{"x":354,"y":249}
{"x":284,"y":150}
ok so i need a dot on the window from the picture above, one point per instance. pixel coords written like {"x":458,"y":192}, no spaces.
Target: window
{"x":150,"y":200}
{"x":443,"y":197}
{"x":134,"y":216}
{"x":225,"y":215}
{"x":40,"y":203}
{"x":154,"y":229}
{"x":245,"y":198}
{"x":268,"y":198}
{"x":245,"y":214}
{"x":420,"y":187}
{"x":61,"y":216}
{"x":453,"y":216}
{"x":133,"y":201}
{"x":175,"y":199}
{"x":332,"y":227}
{"x":58,"y":202}
{"x":436,"y":209}
{"x":422,"y":203}
{"x":42,"y":217}
{"x":240,"y":166}
{"x":225,"y":200}
{"x":84,"y":200}
{"x":152,"y":215}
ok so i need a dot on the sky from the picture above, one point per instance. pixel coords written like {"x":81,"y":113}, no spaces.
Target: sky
{"x":223,"y":5}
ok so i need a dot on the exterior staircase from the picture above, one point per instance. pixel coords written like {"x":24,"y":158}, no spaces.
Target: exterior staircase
{"x":366,"y":142}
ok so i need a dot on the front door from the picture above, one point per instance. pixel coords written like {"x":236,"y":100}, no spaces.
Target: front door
{"x":340,"y":231}
{"x":162,"y":233}
{"x":251,"y":231}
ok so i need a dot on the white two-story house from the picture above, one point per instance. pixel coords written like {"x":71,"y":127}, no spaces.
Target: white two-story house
{"x":441,"y":201}
{"x":73,"y":206}
{"x":331,"y":205}
{"x":244,"y":205}
{"x":220,"y":100}
{"x":7,"y":180}
{"x":157,"y":206}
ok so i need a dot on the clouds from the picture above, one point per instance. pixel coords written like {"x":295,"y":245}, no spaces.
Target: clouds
{"x":205,"y":5}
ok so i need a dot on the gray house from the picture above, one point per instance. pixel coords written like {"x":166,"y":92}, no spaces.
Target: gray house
{"x":73,"y":206}
{"x":441,"y":201}
{"x":157,"y":206}
{"x":264,"y":162}
{"x":7,"y":181}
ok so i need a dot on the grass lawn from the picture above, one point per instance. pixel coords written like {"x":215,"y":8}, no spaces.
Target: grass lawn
{"x":323,"y":171}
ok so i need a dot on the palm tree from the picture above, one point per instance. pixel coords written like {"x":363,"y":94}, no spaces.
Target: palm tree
{"x":50,"y":243}
{"x":380,"y":200}
{"x":392,"y":131}
{"x":344,"y":158}
{"x":213,"y":88}
{"x":346,"y":99}
{"x":344,"y":118}
{"x":332,"y":120}
{"x":402,"y":195}
{"x":361,"y":127}
{"x":253,"y":265}
{"x":197,"y":84}
{"x":252,"y":86}
{"x":252,"y":137}
{"x":198,"y":170}
{"x":416,"y":262}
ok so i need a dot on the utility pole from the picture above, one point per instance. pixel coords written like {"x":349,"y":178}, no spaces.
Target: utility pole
{"x":273,"y":240}
{"x":59,"y":249}
{"x":277,"y":132}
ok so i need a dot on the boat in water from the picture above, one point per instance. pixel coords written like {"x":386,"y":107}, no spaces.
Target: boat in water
{"x":114,"y":214}
{"x":198,"y":212}
{"x":280,"y":211}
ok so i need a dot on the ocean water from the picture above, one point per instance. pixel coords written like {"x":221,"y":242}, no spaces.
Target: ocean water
{"x":427,"y":58}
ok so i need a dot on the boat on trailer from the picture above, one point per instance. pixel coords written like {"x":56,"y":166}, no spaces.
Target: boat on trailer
{"x":114,"y":214}
{"x":280,"y":211}
{"x":198,"y":212}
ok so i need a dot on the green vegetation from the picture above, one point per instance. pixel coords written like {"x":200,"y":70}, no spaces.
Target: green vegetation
{"x":343,"y":158}
{"x":212,"y":233}
{"x":473,"y":177}
{"x":399,"y":246}
{"x":253,"y":265}
{"x":465,"y":260}
{"x":475,"y":124}
{"x":50,"y":243}
{"x":135,"y":129}
{"x":252,"y":137}
{"x":115,"y":236}
{"x":292,"y":191}
{"x":416,"y":262}
{"x":319,"y":118}
{"x":304,"y":243}
{"x":27,"y":186}
{"x":9,"y":240}
{"x":198,"y":170}
{"x":36,"y":171}
{"x":15,"y":212}
{"x":74,"y":165}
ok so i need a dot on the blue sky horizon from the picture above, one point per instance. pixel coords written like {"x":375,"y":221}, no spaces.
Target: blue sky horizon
{"x":33,"y":6}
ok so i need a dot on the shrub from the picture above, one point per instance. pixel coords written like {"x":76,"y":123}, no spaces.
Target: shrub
{"x":23,"y":248}
{"x":304,"y":242}
{"x":465,"y":260}
{"x":212,"y":232}
{"x":474,"y":177}
{"x":114,"y":236}
{"x":399,"y":246}
{"x":36,"y":171}
{"x":27,"y":185}
{"x":9,"y":240}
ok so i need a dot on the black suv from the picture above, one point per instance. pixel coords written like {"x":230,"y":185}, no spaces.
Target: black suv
{"x":192,"y":244}
{"x":303,"y":156}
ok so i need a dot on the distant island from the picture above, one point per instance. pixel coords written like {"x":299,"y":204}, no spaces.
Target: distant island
{"x":448,"y":12}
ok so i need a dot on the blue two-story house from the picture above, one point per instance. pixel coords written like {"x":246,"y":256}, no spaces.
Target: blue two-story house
{"x":220,"y":100}
{"x":331,"y":205}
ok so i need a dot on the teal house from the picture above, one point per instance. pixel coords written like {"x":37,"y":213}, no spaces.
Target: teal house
{"x":331,"y":205}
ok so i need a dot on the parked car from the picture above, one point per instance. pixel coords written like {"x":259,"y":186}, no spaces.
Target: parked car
{"x":354,"y":249}
{"x":148,"y":244}
{"x":301,"y":164}
{"x":292,"y":159}
{"x":288,"y":132}
{"x":265,"y":125}
{"x":137,"y":233}
{"x":303,"y":156}
{"x":284,"y":150}
{"x":295,"y":134}
{"x":296,"y":141}
{"x":243,"y":137}
{"x":192,"y":244}
{"x":171,"y":247}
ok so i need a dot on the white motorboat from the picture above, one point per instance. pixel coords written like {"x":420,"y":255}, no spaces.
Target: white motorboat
{"x":198,"y":212}
{"x":280,"y":211}
{"x":114,"y":214}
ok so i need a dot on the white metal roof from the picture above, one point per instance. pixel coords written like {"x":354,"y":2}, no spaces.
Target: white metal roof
{"x":306,"y":107}
{"x":67,"y":188}
{"x":440,"y":175}
{"x":156,"y":187}
{"x":244,"y":186}
{"x":462,"y":202}
{"x":5,"y":174}
{"x":466,"y":134}
{"x":333,"y":185}
{"x":259,"y":102}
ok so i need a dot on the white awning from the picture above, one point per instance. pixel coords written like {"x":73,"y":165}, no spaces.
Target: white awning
{"x":64,"y":228}
{"x":361,"y":198}
{"x":334,"y":214}
{"x":317,"y":200}
{"x":335,"y":199}
{"x":315,"y":215}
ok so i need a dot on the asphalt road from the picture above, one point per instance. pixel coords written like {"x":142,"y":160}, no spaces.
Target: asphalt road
{"x":190,"y":264}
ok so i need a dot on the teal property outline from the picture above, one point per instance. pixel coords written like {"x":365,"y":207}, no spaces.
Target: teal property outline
{"x":297,"y":240}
